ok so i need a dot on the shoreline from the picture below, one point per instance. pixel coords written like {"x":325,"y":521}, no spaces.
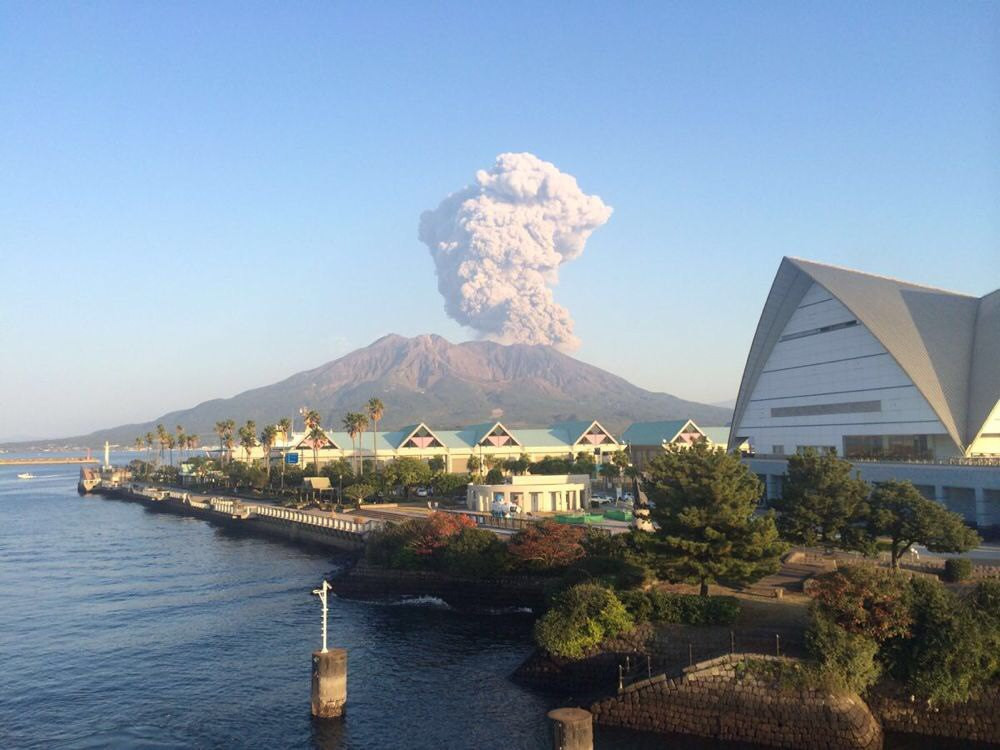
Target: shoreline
{"x":593,"y":679}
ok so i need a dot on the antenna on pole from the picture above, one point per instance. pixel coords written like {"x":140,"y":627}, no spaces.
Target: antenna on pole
{"x":321,"y":593}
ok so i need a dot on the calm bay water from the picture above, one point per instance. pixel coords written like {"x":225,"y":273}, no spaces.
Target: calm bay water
{"x":121,"y":627}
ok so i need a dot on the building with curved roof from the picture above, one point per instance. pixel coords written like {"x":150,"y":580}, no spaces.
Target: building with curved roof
{"x":901,"y":378}
{"x":871,"y":366}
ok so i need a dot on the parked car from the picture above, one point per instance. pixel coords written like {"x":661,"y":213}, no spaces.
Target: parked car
{"x":423,"y":492}
{"x":599,"y":500}
{"x":627,"y":497}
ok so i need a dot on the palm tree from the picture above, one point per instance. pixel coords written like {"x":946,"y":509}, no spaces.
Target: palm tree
{"x":161,"y":436}
{"x":171,"y":442}
{"x":138,"y":444}
{"x":285,"y":425}
{"x":362,"y":426}
{"x":375,"y":409}
{"x":181,"y":439}
{"x":192,"y":442}
{"x":267,"y":438}
{"x":224,"y":430}
{"x":355,"y":423}
{"x":285,"y":428}
{"x":317,"y":436}
{"x":248,"y":437}
{"x":315,"y":433}
{"x":150,"y":438}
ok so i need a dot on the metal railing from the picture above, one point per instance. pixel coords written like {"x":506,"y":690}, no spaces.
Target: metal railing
{"x":294,"y":516}
{"x":981,"y":461}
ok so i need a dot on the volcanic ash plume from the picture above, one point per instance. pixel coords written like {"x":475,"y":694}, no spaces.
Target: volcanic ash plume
{"x":498,"y":245}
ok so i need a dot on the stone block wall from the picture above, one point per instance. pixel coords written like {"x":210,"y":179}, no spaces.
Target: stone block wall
{"x":977,"y":720}
{"x":711,"y":700}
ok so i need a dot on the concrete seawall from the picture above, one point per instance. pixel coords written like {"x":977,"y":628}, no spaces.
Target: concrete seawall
{"x":257,"y":518}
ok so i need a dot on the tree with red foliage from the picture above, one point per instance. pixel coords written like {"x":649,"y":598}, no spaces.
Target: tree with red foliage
{"x":437,"y":530}
{"x":865,"y":601}
{"x":547,"y":545}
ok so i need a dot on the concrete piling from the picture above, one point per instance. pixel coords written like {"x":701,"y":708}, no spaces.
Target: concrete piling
{"x":329,"y":683}
{"x":572,"y":729}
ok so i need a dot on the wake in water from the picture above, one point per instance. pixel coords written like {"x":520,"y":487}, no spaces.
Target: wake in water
{"x":438,"y":603}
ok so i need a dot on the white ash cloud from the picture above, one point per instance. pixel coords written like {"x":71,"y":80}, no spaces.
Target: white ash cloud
{"x":498,"y":244}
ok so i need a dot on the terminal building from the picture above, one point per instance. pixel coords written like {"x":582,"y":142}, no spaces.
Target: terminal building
{"x":488,"y":442}
{"x":647,"y":440}
{"x":901,"y":379}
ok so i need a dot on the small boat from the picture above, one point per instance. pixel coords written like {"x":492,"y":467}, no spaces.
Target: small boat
{"x":26,"y":475}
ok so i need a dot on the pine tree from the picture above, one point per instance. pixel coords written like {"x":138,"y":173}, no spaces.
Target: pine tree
{"x":822,"y":503}
{"x":900,"y":512}
{"x":704,"y":501}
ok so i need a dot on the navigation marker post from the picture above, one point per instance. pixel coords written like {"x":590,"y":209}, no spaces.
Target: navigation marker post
{"x":321,"y":593}
{"x":329,"y":671}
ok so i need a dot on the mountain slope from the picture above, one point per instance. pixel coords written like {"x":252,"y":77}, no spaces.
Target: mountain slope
{"x":446,"y":385}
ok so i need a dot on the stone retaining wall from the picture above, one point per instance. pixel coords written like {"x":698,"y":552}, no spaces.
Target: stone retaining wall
{"x":710,"y":700}
{"x":977,"y":720}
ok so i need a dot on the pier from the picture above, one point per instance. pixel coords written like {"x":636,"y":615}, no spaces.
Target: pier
{"x":53,"y":461}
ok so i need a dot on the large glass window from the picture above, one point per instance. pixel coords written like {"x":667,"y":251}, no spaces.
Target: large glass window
{"x":863,"y":446}
{"x":907,"y":446}
{"x":900,"y":447}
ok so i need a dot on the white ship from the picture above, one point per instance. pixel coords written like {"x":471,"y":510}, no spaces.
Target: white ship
{"x":26,"y":475}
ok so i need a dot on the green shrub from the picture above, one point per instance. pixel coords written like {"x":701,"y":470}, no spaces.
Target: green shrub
{"x":638,"y":604}
{"x":580,"y":619}
{"x":617,"y":559}
{"x":985,"y":598}
{"x":391,"y":546}
{"x":474,"y":552}
{"x":957,"y":569}
{"x":686,"y":609}
{"x":954,"y":647}
{"x":846,"y":660}
{"x":722,"y":610}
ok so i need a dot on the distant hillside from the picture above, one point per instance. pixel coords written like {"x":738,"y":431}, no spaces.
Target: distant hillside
{"x":447,"y":385}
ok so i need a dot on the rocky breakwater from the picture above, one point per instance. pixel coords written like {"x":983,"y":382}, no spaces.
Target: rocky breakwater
{"x":368,"y":582}
{"x":723,"y":700}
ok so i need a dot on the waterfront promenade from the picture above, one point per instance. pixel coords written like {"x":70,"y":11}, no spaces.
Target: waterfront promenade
{"x":315,"y":526}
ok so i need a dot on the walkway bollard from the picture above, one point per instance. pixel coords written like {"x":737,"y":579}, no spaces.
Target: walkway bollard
{"x":572,"y":729}
{"x":329,"y":672}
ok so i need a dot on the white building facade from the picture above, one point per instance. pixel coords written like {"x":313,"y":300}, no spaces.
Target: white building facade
{"x":533,"y":494}
{"x":881,"y":371}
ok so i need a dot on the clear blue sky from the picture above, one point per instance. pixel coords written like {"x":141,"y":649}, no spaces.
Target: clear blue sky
{"x":198,"y":198}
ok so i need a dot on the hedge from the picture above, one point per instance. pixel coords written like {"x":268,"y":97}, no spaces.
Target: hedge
{"x":957,"y":569}
{"x":686,"y":609}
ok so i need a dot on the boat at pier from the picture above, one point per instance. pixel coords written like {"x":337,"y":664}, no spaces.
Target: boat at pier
{"x":106,"y":477}
{"x":90,"y":479}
